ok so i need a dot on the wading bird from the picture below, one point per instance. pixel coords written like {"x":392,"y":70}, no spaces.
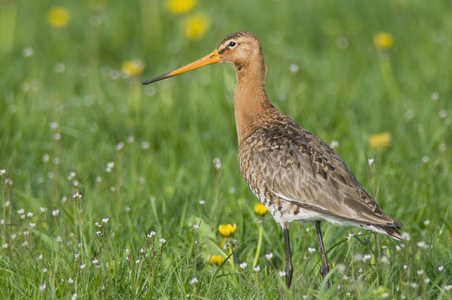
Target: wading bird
{"x":295,"y":174}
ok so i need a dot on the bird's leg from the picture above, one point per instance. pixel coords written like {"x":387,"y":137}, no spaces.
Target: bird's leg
{"x":289,"y":267}
{"x":324,"y":269}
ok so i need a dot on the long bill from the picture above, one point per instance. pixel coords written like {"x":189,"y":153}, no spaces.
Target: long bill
{"x":211,"y":58}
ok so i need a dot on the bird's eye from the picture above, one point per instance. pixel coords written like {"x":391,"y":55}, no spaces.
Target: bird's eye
{"x":232,"y":44}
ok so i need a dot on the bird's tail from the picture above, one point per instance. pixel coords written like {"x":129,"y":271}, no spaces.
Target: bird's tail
{"x":392,"y":231}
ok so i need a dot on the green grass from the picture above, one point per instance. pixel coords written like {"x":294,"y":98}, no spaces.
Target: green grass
{"x":171,"y":131}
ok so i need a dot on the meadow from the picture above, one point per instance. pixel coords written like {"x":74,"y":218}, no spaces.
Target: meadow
{"x":114,"y":190}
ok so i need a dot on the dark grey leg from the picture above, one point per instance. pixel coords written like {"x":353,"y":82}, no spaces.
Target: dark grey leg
{"x":324,"y":269}
{"x":289,"y":267}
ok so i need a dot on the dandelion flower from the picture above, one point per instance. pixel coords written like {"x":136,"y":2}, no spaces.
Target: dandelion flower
{"x":227,"y":230}
{"x":380,"y":140}
{"x":383,"y":40}
{"x":58,"y":17}
{"x":180,"y":6}
{"x":132,"y":67}
{"x":196,"y":26}
{"x":260,"y":209}
{"x":217,"y":260}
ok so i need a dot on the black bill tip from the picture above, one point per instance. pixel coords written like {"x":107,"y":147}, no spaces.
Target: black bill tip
{"x":158,"y":78}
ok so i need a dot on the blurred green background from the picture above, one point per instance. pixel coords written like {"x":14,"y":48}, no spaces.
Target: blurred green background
{"x":74,"y":118}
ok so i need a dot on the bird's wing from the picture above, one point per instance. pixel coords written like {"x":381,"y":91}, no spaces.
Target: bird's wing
{"x":304,"y":170}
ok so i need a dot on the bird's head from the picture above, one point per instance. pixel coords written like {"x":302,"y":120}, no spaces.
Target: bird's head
{"x":237,"y":49}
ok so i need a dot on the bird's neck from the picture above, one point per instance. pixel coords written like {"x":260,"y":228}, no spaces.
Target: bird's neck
{"x":251,"y":103}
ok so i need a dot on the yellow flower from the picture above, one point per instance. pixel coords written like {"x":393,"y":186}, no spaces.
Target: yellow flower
{"x":132,"y":67}
{"x":180,"y":6}
{"x":380,"y":140}
{"x":196,"y":26}
{"x":260,"y":209}
{"x":217,"y":260}
{"x":58,"y":17}
{"x":383,"y":40}
{"x":227,"y":230}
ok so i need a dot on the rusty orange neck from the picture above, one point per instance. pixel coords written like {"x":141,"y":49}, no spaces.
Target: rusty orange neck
{"x":251,"y":103}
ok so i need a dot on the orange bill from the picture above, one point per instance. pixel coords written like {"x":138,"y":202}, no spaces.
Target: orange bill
{"x":211,"y":58}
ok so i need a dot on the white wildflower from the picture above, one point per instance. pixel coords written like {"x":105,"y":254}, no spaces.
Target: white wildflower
{"x":435,"y":96}
{"x":334,"y":144}
{"x":71,"y":175}
{"x":294,"y":68}
{"x":27,"y":52}
{"x":145,"y":145}
{"x":217,"y":163}
{"x":243,"y":265}
{"x":406,"y":236}
{"x":421,"y":244}
{"x":119,"y":146}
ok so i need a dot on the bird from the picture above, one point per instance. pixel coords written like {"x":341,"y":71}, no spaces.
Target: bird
{"x":295,"y":174}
